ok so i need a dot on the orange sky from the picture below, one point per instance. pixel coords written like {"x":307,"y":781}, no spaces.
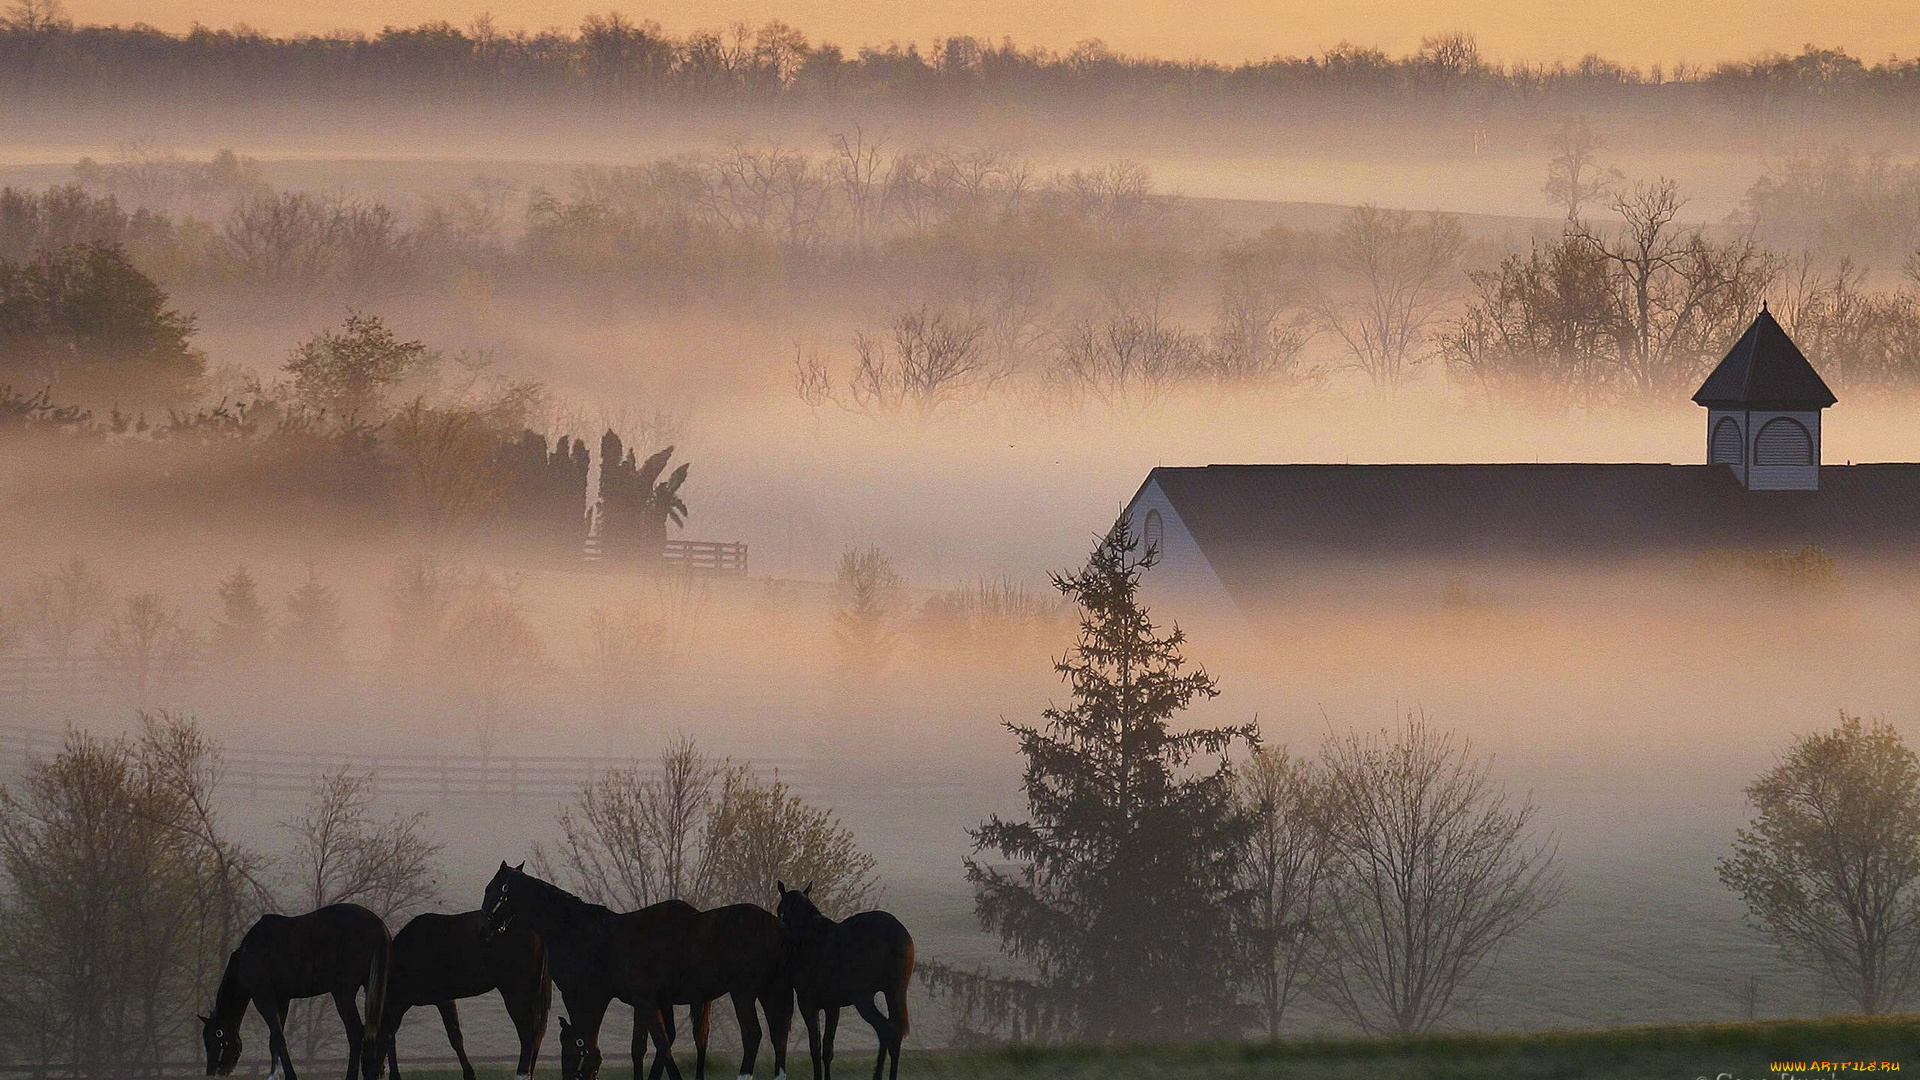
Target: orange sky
{"x":1635,"y":31}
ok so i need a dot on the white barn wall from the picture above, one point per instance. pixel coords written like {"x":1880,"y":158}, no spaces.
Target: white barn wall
{"x":1184,"y":581}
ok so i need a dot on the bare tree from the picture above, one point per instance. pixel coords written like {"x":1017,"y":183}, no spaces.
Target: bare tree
{"x":1830,"y":865}
{"x":867,"y":593}
{"x":344,"y":853}
{"x":1285,"y":869}
{"x":1258,"y":333}
{"x":1127,"y":353}
{"x":145,"y":644}
{"x":927,"y":358}
{"x":492,"y":653}
{"x":1433,"y":868}
{"x":1400,"y":267}
{"x":633,"y":649}
{"x":1678,"y":291}
{"x":1574,"y":175}
{"x":59,"y":606}
{"x":35,"y":17}
{"x":856,"y":168}
{"x":635,"y":837}
{"x":704,"y":831}
{"x":760,"y":832}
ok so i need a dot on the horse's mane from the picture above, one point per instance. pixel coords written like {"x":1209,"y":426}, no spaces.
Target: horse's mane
{"x":572,"y":908}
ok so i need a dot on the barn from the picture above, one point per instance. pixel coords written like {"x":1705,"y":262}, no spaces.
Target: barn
{"x":1242,"y":535}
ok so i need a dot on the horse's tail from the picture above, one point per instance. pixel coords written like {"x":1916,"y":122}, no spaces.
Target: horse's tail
{"x":897,"y":1008}
{"x":377,"y":1001}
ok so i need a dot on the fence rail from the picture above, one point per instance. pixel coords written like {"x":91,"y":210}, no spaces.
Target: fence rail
{"x":720,"y":558}
{"x":442,"y":776}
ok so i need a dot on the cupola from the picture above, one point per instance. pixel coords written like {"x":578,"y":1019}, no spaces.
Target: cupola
{"x":1763,"y":407}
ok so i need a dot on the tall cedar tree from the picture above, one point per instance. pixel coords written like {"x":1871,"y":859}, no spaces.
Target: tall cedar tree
{"x":1123,"y":893}
{"x":243,"y":630}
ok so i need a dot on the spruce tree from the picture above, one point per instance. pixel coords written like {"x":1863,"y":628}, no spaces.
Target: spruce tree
{"x":240,"y":633}
{"x":313,"y":634}
{"x":1121,"y":891}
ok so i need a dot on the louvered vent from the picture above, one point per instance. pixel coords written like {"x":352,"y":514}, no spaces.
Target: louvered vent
{"x":1726,"y":447}
{"x":1782,"y":441}
{"x":1154,"y":530}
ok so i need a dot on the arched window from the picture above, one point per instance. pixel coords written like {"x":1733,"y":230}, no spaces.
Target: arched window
{"x":1153,"y":530}
{"x":1726,"y":446}
{"x":1783,"y":441}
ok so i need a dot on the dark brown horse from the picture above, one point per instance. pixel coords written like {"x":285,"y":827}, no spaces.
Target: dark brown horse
{"x":438,"y":959}
{"x":836,"y":964}
{"x":594,"y":954}
{"x":736,"y":952}
{"x":336,"y":950}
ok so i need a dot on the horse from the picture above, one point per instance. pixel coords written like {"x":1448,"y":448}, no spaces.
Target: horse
{"x":836,"y":964}
{"x":736,"y":951}
{"x":440,"y":958}
{"x":335,"y":950}
{"x":595,"y":955}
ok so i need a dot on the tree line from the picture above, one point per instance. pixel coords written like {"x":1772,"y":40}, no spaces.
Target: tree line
{"x":613,"y":59}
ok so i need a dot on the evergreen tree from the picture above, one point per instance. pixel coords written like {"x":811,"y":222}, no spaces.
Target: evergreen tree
{"x":242,"y":630}
{"x":313,"y":634}
{"x":1122,"y":893}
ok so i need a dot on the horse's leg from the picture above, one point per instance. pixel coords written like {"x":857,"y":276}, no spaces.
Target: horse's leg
{"x":343,"y":1003}
{"x":779,"y":1009}
{"x":896,"y":1010}
{"x":749,"y":1032}
{"x":826,"y":1041}
{"x":275,"y":1014}
{"x":700,"y":1017}
{"x":658,"y":1031}
{"x":810,"y":1016}
{"x":390,"y":1034}
{"x":661,"y":1050}
{"x":450,"y":1016}
{"x":529,"y":1022}
{"x":882,"y":1031}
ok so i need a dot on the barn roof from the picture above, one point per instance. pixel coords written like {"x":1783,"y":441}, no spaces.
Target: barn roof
{"x":1254,"y":522}
{"x":1765,"y":369}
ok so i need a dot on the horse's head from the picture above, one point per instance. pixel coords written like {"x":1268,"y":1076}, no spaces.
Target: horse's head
{"x":795,"y":908}
{"x":578,"y":1061}
{"x":500,"y":904}
{"x":223,"y":1046}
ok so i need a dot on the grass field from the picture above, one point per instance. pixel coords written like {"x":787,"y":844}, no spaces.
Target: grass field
{"x":1742,"y":1051}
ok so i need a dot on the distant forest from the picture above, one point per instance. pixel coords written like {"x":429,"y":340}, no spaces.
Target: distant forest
{"x":613,"y":59}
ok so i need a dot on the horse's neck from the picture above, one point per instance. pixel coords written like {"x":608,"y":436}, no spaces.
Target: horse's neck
{"x":818,"y":934}
{"x":230,"y":1002}
{"x":575,"y":931}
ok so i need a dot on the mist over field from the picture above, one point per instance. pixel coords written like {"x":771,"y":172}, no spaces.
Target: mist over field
{"x":916,"y":326}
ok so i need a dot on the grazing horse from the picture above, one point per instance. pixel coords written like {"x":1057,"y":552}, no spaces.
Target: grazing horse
{"x":836,"y":964}
{"x":736,"y":951}
{"x":440,"y":958}
{"x":578,"y":1061}
{"x":595,"y":956}
{"x":335,"y":950}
